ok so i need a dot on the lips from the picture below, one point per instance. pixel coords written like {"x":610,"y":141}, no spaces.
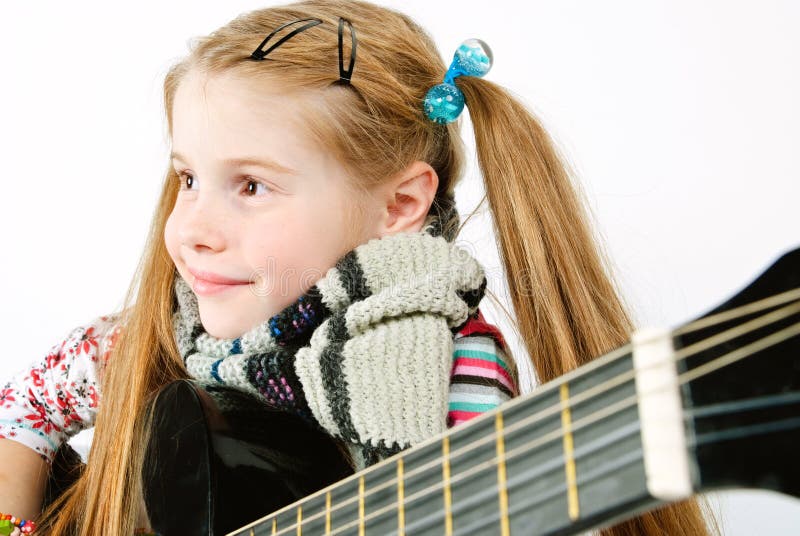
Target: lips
{"x":218,"y":279}
{"x":210,"y":283}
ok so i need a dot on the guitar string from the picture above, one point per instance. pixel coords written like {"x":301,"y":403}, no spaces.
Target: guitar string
{"x":606,"y":359}
{"x":751,"y":307}
{"x":521,"y":450}
{"x":746,"y":404}
{"x":686,"y":352}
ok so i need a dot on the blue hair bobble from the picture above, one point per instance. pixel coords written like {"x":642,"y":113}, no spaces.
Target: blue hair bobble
{"x":444,"y":102}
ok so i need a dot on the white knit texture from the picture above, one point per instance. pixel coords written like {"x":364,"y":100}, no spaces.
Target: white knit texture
{"x":213,"y":347}
{"x":334,"y":295}
{"x":410,"y":274}
{"x":398,"y":378}
{"x":258,"y":340}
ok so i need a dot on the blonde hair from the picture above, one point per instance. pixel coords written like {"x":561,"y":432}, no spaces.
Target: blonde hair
{"x":566,"y":305}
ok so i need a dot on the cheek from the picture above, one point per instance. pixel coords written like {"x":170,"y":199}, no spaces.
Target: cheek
{"x":275,"y":256}
{"x":297,"y":254}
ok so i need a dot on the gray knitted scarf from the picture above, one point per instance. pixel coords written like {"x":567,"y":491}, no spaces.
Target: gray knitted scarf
{"x":366,"y":352}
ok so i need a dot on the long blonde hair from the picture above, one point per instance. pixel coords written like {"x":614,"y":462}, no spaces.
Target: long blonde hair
{"x":566,"y":305}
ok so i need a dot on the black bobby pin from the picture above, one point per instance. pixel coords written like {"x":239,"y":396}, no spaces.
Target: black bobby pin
{"x":344,"y":76}
{"x":259,"y":54}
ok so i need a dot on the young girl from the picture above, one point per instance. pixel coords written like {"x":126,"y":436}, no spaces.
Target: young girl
{"x":303,"y":250}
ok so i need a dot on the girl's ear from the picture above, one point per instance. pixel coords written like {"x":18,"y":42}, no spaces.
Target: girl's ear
{"x":406,"y":198}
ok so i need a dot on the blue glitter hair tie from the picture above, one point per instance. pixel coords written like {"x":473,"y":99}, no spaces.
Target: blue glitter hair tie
{"x":444,"y":102}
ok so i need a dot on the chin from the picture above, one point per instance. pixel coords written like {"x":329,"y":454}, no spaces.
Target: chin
{"x":221,"y":330}
{"x":230,"y":334}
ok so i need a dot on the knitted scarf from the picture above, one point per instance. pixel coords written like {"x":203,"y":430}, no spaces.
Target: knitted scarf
{"x":365,"y":353}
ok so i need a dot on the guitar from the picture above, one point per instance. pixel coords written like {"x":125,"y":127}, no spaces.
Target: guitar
{"x":712,"y":404}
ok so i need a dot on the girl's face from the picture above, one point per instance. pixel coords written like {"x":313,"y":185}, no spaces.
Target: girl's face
{"x":271,"y":228}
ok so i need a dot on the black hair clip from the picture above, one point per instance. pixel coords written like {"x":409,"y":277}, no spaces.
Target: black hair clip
{"x":259,"y":54}
{"x":344,"y":76}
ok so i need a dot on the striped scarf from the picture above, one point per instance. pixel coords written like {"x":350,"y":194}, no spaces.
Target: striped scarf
{"x":366,"y":352}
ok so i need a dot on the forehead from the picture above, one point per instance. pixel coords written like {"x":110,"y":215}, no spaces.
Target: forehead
{"x":221,"y":116}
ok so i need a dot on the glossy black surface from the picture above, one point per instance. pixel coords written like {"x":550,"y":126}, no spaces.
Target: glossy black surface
{"x":211,"y":470}
{"x":752,"y":440}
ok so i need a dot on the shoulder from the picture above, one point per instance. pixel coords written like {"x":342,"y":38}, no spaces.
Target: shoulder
{"x":480,"y":355}
{"x":483,"y":375}
{"x":93,"y":339}
{"x":56,"y":396}
{"x":478,"y":326}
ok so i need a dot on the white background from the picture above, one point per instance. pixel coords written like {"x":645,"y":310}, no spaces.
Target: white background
{"x":681,"y":118}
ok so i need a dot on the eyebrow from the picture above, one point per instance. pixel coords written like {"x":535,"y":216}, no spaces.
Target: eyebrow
{"x":246,"y":161}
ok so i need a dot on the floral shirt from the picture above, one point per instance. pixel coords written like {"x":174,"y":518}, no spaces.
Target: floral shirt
{"x":57,"y":396}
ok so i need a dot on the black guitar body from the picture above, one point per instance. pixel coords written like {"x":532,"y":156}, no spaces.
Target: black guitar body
{"x":750,"y":440}
{"x":212,"y":468}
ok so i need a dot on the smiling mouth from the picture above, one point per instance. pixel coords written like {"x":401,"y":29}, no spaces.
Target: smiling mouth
{"x":206,"y":287}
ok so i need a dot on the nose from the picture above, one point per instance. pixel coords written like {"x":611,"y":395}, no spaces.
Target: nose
{"x":202,"y":223}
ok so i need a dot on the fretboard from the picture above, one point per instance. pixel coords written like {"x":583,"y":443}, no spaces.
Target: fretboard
{"x":552,"y":462}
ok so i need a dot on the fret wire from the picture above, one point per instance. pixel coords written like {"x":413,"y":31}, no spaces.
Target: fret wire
{"x":361,"y":506}
{"x":328,"y":512}
{"x":401,"y":521}
{"x":501,"y":475}
{"x":300,"y":520}
{"x":448,"y":519}
{"x":569,"y":462}
{"x":274,"y":526}
{"x":575,"y":399}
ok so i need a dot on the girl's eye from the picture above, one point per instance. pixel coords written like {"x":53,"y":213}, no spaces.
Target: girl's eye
{"x":184,"y":178}
{"x":252,"y":186}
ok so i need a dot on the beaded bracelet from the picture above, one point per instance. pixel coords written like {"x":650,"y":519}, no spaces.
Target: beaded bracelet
{"x":9,"y":523}
{"x":11,"y":526}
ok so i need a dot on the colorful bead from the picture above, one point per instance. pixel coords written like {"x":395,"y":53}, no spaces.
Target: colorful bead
{"x":10,"y":525}
{"x":444,"y":102}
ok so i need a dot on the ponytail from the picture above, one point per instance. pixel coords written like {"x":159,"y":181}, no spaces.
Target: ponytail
{"x":567,"y":307}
